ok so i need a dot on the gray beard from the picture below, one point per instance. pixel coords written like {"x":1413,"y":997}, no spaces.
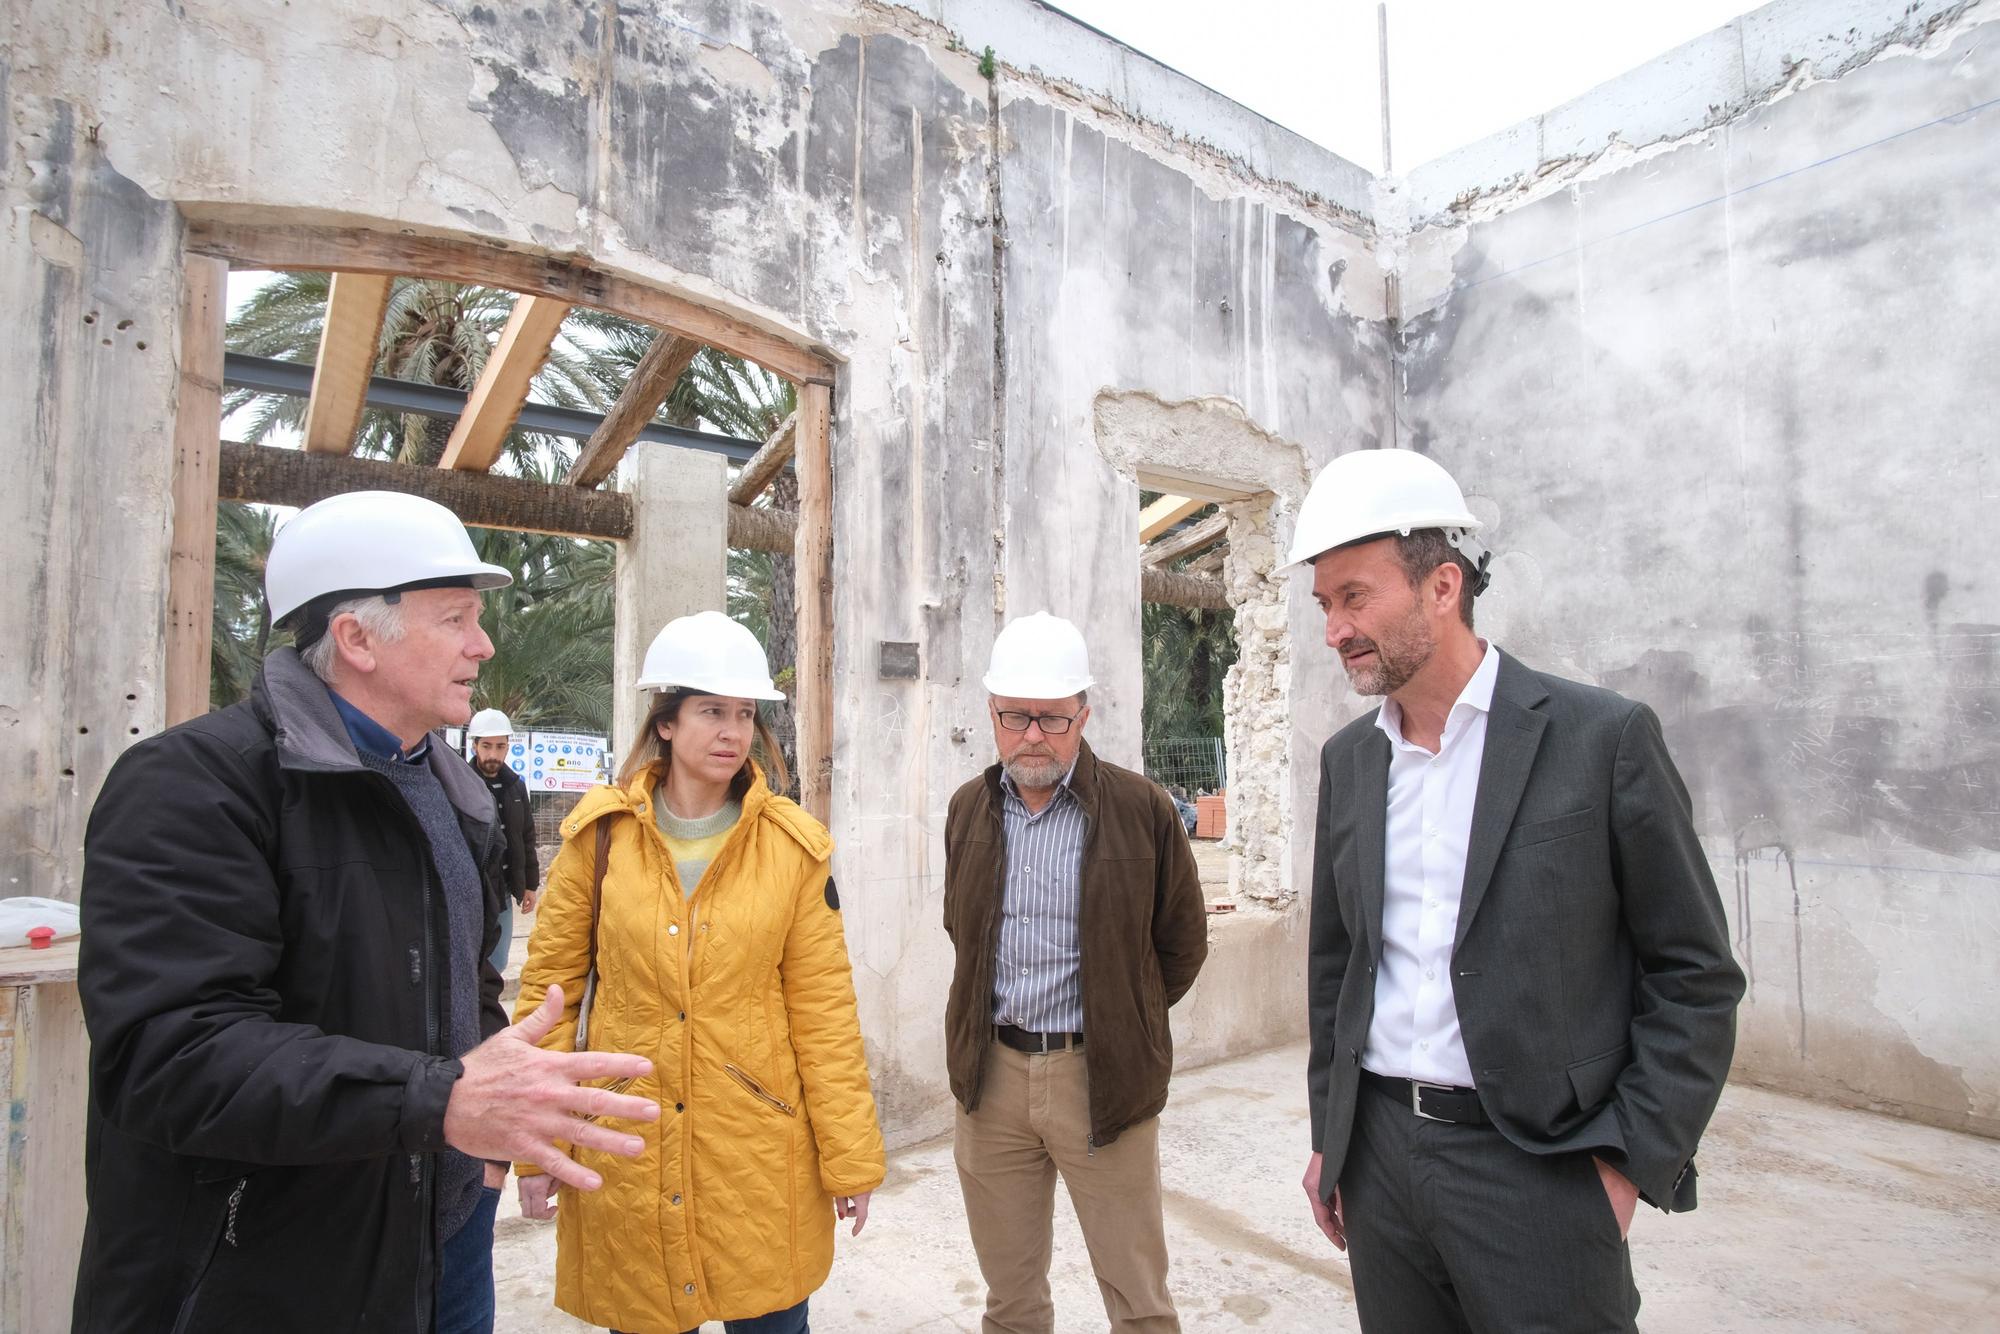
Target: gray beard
{"x":1035,"y":773}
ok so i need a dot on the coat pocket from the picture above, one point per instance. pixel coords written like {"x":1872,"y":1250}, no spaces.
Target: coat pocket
{"x":1594,"y":1078}
{"x":758,"y":1091}
{"x":1548,"y":831}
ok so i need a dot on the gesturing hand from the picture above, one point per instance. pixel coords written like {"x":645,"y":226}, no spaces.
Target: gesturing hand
{"x":516,"y":1101}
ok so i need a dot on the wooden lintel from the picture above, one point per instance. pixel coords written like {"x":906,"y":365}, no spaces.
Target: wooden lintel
{"x":355,"y":305}
{"x":503,"y":385}
{"x":652,"y":380}
{"x":812,"y":551}
{"x":263,"y":475}
{"x":197,"y":426}
{"x":1164,"y":513}
{"x":765,"y":465}
{"x":1193,"y":591}
{"x":1170,"y":549}
{"x":574,"y":279}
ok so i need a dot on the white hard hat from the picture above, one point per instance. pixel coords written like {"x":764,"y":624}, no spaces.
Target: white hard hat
{"x":371,"y":542}
{"x":709,"y":653}
{"x":489,"y":722}
{"x":1376,"y":492}
{"x":1038,"y":657}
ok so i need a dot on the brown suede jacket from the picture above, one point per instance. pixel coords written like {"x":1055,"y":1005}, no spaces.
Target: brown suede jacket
{"x":1142,"y":923}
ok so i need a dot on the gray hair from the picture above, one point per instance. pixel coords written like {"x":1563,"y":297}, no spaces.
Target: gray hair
{"x":378,"y":616}
{"x":1423,"y":551}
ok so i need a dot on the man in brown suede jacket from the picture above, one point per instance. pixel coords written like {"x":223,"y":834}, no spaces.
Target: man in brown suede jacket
{"x":1072,"y":900}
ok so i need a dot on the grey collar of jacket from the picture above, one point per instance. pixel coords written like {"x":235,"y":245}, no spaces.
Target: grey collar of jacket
{"x":311,"y":738}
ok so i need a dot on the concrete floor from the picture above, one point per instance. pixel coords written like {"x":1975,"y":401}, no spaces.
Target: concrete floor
{"x":1813,"y":1218}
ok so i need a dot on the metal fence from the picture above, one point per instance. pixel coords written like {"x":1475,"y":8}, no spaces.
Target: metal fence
{"x":1193,"y":765}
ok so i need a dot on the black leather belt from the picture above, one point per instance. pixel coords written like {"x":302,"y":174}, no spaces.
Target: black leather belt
{"x":1020,"y":1039}
{"x":1433,"y":1102}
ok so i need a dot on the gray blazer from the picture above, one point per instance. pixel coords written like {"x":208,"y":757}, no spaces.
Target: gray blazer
{"x":1592,"y":973}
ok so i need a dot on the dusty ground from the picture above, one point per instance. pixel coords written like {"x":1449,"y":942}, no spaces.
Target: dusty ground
{"x":1813,"y":1218}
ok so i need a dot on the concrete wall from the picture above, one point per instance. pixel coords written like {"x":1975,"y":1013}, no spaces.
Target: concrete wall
{"x":986,"y":258}
{"x":1712,"y":346}
{"x":1726,"y":391}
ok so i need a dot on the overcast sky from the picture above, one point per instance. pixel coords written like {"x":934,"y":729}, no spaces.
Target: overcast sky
{"x":1458,"y":69}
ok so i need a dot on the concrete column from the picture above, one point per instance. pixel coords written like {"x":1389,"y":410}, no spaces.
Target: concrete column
{"x":675,"y":562}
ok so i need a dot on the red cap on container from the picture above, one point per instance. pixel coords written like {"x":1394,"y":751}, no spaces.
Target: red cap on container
{"x":40,"y":936}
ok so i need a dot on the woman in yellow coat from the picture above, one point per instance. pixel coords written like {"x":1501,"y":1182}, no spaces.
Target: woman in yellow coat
{"x":719,"y":953}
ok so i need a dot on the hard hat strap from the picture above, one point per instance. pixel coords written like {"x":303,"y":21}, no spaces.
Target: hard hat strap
{"x":1474,"y":551}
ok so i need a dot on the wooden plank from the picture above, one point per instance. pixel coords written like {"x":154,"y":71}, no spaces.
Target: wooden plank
{"x":1164,"y":513}
{"x":1192,"y":591}
{"x":21,"y":965}
{"x":765,"y":465}
{"x":652,"y":380}
{"x":355,"y":305}
{"x":813,"y":552}
{"x":263,"y":475}
{"x":504,"y":383}
{"x":197,"y":430}
{"x":570,"y":278}
{"x":1169,"y":549}
{"x":44,"y":1056}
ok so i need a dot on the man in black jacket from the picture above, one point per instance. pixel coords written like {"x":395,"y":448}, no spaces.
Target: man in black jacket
{"x":298,"y":1054}
{"x":491,"y":733}
{"x":1522,"y":999}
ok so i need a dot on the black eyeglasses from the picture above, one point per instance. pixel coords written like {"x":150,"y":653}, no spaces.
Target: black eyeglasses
{"x":1052,"y":724}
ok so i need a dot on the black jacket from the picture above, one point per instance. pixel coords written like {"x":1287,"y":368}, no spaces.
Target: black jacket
{"x":263,"y":974}
{"x":1591,"y":970}
{"x":520,"y":869}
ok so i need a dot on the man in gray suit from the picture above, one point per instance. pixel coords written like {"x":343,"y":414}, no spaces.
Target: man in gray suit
{"x":1522,"y":1000}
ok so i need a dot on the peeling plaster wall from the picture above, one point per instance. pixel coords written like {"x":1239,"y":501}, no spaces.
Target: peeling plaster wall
{"x":1729,"y":407}
{"x":983,"y":257}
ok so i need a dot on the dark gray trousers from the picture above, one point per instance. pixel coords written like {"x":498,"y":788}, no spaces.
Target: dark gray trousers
{"x":1450,"y":1227}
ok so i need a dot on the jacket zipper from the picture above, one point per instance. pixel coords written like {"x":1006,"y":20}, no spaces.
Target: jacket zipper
{"x":225,"y":1232}
{"x":989,"y":942}
{"x":757,"y":1090}
{"x":421,"y":1174}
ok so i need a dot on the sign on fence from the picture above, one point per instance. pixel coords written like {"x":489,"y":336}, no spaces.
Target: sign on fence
{"x":558,"y":761}
{"x":563,"y":762}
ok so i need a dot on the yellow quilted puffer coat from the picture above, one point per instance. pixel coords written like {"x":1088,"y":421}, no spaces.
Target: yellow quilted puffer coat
{"x":743,"y":998}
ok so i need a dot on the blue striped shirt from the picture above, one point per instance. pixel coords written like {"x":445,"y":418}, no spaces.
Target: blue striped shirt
{"x":1037,"y":974}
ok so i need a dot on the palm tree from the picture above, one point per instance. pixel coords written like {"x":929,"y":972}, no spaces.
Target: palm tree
{"x":241,"y":632}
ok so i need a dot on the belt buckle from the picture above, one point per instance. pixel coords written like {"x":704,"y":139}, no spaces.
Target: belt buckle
{"x":1417,"y":1087}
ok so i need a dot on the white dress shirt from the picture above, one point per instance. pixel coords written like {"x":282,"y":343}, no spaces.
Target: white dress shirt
{"x":1414,"y":1034}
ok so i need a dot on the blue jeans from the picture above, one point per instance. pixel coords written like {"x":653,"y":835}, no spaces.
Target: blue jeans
{"x":791,"y":1320}
{"x":506,"y":938}
{"x":465,"y":1272}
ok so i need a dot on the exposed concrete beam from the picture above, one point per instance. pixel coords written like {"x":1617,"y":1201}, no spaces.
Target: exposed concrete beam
{"x":1170,"y":549}
{"x":263,"y":475}
{"x":503,"y":384}
{"x":764,"y":467}
{"x":568,"y":278}
{"x":1164,"y":513}
{"x":355,"y":305}
{"x":1183,"y":590}
{"x":652,"y":380}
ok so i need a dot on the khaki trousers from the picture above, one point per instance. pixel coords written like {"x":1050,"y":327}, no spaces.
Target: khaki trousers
{"x":1033,"y":1122}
